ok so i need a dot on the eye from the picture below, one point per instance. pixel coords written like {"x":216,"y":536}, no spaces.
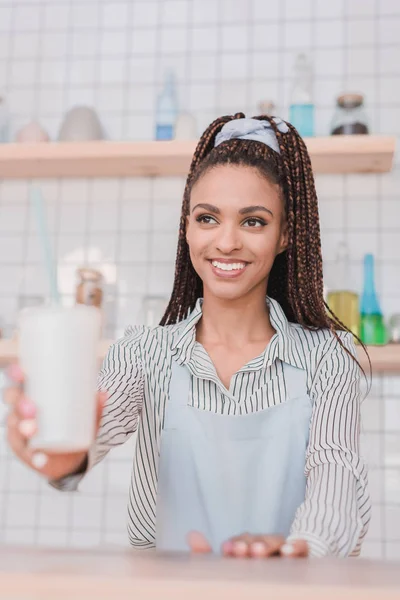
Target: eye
{"x":254,"y":222}
{"x":206,"y":219}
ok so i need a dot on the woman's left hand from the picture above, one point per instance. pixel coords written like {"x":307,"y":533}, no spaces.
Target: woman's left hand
{"x":251,"y":546}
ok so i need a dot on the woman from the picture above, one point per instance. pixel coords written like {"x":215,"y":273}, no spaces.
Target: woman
{"x":246,"y":398}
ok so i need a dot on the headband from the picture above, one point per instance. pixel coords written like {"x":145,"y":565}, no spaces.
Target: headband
{"x":252,"y":129}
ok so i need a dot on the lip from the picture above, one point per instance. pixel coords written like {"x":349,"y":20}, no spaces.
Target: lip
{"x":227,"y":274}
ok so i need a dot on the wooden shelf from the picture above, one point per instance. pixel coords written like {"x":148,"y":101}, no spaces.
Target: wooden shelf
{"x":335,"y":154}
{"x":384,"y":359}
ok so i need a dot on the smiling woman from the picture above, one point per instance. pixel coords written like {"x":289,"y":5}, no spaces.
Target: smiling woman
{"x":239,"y":237}
{"x":246,"y":397}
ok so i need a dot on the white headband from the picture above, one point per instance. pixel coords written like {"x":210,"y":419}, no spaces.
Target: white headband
{"x":252,"y":129}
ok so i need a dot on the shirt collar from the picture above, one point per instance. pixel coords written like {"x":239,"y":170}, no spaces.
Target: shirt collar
{"x":183,"y":344}
{"x":284,"y":345}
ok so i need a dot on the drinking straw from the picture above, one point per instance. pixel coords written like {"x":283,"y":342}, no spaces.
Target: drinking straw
{"x":38,"y":208}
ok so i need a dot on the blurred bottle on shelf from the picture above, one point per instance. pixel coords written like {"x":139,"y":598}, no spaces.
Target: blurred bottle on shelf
{"x":301,"y":112}
{"x":267,"y":107}
{"x":89,"y":290}
{"x":32,"y":133}
{"x":394,"y":328}
{"x":342,"y":299}
{"x":4,"y":122}
{"x":81,"y":124}
{"x":350,"y":117}
{"x":167,"y":109}
{"x":372,"y":330}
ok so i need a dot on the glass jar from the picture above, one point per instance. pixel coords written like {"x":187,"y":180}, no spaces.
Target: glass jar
{"x":350,"y":117}
{"x":394,"y":329}
{"x":89,"y":290}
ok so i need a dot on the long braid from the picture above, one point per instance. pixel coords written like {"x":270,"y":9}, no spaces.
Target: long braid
{"x":187,"y":284}
{"x":296,"y":277}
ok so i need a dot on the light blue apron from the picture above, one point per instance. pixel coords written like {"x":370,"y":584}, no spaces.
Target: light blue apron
{"x":226,"y":475}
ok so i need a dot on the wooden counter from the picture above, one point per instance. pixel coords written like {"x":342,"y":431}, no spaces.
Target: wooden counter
{"x":37,"y":574}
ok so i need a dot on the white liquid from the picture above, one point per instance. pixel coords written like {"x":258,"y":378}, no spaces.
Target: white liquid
{"x":58,"y":354}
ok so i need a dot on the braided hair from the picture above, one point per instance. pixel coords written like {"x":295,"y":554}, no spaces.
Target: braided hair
{"x":296,"y":279}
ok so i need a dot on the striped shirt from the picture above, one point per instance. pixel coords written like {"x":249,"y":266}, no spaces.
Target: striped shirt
{"x":136,"y":372}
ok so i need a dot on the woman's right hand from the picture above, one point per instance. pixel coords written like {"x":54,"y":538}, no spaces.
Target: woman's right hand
{"x":21,"y":426}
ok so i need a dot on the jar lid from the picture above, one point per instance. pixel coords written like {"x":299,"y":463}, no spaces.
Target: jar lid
{"x":88,"y":274}
{"x":350,"y":100}
{"x":267,"y":107}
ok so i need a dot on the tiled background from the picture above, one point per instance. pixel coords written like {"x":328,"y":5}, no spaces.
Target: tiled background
{"x":228,"y":55}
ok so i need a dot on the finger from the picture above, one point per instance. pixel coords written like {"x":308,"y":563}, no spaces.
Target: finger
{"x":12,"y":395}
{"x":295,"y":549}
{"x":27,"y":428}
{"x":18,"y":444}
{"x":238,"y":546}
{"x":16,"y":440}
{"x":258,"y":547}
{"x":15,"y":373}
{"x":272,"y":544}
{"x":198,"y":543}
{"x":25,"y":408}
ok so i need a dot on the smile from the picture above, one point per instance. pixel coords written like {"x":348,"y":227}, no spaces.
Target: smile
{"x":228,"y":269}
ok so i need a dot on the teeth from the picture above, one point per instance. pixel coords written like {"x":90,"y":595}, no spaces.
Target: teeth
{"x":228,"y":266}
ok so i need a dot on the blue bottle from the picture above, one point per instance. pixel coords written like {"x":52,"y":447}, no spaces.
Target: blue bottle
{"x":301,"y":112}
{"x":166,"y":109}
{"x":372,"y":330}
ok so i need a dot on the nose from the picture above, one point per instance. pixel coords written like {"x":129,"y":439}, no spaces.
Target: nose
{"x":228,"y":239}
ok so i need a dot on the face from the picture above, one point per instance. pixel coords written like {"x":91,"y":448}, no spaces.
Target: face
{"x":235,"y":229}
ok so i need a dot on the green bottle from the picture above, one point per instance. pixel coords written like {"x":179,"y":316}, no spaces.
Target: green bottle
{"x":372,"y":327}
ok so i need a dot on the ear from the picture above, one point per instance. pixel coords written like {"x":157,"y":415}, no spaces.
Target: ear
{"x":284,"y":240}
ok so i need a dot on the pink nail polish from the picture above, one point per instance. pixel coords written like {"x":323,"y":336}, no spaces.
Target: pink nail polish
{"x":240,"y":548}
{"x":27,"y":428}
{"x":258,"y":549}
{"x":227,"y":547}
{"x":27,"y":408}
{"x":14,"y":372}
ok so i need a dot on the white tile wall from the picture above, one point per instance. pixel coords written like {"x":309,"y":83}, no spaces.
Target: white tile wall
{"x":228,"y":55}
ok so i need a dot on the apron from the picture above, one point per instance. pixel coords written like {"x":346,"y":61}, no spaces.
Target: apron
{"x":226,"y":475}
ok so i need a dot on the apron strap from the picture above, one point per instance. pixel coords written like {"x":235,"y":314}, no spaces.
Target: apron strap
{"x":295,"y":381}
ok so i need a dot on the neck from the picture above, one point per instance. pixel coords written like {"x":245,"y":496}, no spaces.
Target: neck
{"x":234,"y":322}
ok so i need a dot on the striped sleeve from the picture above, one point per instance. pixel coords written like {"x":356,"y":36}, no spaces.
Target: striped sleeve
{"x":335,"y":514}
{"x":122,"y":376}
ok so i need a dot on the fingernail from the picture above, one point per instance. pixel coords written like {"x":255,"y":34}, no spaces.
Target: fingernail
{"x":27,"y":427}
{"x":287,"y":549}
{"x":14,"y":372}
{"x":240,"y":547}
{"x":258,"y":549}
{"x":39,"y":459}
{"x":227,"y":547}
{"x":26,"y":408}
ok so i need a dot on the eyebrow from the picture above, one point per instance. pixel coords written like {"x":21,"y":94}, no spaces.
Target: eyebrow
{"x":243,"y":211}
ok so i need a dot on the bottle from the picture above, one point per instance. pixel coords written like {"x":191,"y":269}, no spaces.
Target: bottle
{"x":301,"y":113}
{"x":350,"y":117}
{"x":89,"y":289}
{"x":342,"y":300}
{"x":372,"y":330}
{"x":4,"y":122}
{"x":167,"y":109}
{"x":267,"y":107}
